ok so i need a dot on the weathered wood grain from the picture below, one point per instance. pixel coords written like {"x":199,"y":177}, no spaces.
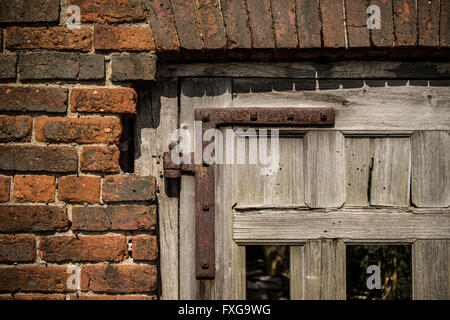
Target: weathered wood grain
{"x":357,"y":171}
{"x":431,"y":270}
{"x":324,"y":169}
{"x":324,"y":269}
{"x":333,"y":70}
{"x":390,"y":172}
{"x":359,"y":225}
{"x":358,"y":109}
{"x":430,"y":169}
{"x":296,"y":267}
{"x":195,"y":93}
{"x":155,"y":121}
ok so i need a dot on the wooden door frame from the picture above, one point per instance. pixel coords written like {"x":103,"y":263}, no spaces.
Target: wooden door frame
{"x":159,"y":116}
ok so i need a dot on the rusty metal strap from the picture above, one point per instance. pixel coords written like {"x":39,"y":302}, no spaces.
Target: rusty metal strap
{"x":205,"y":174}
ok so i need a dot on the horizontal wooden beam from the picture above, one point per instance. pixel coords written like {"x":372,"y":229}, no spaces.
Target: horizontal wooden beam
{"x":297,"y":70}
{"x":277,"y":226}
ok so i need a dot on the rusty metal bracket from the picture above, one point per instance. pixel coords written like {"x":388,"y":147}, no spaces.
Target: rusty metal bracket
{"x":205,"y":174}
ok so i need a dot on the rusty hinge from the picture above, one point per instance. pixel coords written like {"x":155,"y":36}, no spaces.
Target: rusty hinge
{"x":204,"y":174}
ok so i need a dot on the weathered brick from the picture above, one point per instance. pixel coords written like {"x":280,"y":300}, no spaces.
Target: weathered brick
{"x":444,"y":34}
{"x":5,"y":186}
{"x":356,"y":23}
{"x":145,"y":248}
{"x":92,"y":67}
{"x":100,"y":159}
{"x":283,"y":12}
{"x":212,"y":24}
{"x":107,"y":11}
{"x":119,"y":278}
{"x":332,"y":24}
{"x":29,"y":11}
{"x":34,"y":189}
{"x":34,"y":279}
{"x":60,"y":65}
{"x":130,"y":217}
{"x":112,"y":297}
{"x":428,"y":21}
{"x":187,"y":25}
{"x":32,"y":297}
{"x":49,"y":65}
{"x":384,"y":37}
{"x":133,"y":66}
{"x":15,"y":128}
{"x":33,"y":218}
{"x":102,"y":100}
{"x":79,"y":130}
{"x":121,"y":38}
{"x":260,"y":22}
{"x":53,"y":38}
{"x":162,"y":24}
{"x":8,"y":64}
{"x":405,"y":24}
{"x":128,"y":188}
{"x":79,"y":189}
{"x":83,"y":248}
{"x":33,"y":99}
{"x":17,"y":248}
{"x":37,"y":158}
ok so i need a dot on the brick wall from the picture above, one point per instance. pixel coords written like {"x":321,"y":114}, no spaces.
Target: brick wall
{"x":66,"y":96}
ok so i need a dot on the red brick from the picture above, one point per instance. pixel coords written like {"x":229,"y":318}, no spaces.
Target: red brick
{"x":162,"y":23}
{"x":37,"y":158}
{"x":107,"y":11}
{"x":309,"y":24}
{"x":428,"y":20}
{"x":52,"y":38}
{"x":358,"y":34}
{"x":33,"y":297}
{"x":79,"y":130}
{"x":119,"y":278}
{"x":284,"y":20}
{"x":15,"y":128}
{"x":121,"y":38}
{"x":260,"y":22}
{"x":33,"y":99}
{"x":127,"y":218}
{"x":34,"y":189}
{"x":17,"y":248}
{"x":77,"y":189}
{"x":332,"y":23}
{"x":384,"y":37}
{"x":5,"y":186}
{"x":212,"y":25}
{"x":445,"y":22}
{"x":33,"y":218}
{"x":100,"y":159}
{"x":111,"y":297}
{"x":405,"y":23}
{"x":34,"y":279}
{"x":104,"y":100}
{"x":128,"y":188}
{"x":145,"y":248}
{"x":83,"y":248}
{"x":187,"y":25}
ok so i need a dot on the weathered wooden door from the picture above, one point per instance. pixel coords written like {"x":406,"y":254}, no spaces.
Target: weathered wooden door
{"x":381,"y":175}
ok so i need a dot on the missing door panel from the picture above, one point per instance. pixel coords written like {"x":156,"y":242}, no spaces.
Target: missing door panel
{"x":379,"y":272}
{"x":267,"y":272}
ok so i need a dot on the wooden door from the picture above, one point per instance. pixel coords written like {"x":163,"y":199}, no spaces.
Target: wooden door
{"x":381,"y":175}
